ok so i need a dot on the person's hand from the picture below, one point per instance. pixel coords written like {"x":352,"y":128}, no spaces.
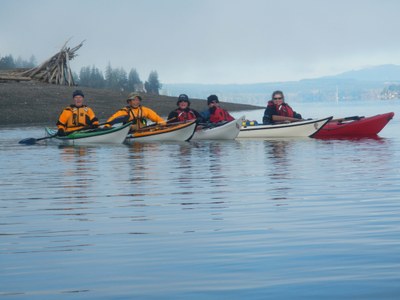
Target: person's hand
{"x":61,"y":132}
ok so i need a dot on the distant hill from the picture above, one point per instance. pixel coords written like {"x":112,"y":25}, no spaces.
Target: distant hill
{"x":382,"y":73}
{"x":363,"y":84}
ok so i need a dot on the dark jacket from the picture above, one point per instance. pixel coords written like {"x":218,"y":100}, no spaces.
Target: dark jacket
{"x":272,"y":110}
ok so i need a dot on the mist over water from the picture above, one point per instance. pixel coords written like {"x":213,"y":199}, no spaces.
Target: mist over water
{"x":273,"y":219}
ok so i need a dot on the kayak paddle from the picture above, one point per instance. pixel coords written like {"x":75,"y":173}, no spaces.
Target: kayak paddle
{"x":32,"y":141}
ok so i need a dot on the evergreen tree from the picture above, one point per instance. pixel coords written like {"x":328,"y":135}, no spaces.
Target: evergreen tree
{"x":96,"y":78}
{"x":32,"y":62}
{"x":19,"y":62}
{"x":110,"y":78}
{"x":116,"y":79}
{"x":122,"y":79}
{"x":91,"y":77}
{"x":134,"y":82}
{"x":153,"y":85}
{"x":7,"y":62}
{"x":84,"y":76}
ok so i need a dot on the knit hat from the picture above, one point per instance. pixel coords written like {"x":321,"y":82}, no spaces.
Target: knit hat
{"x":212,"y":98}
{"x":183,"y":98}
{"x":77,"y":93}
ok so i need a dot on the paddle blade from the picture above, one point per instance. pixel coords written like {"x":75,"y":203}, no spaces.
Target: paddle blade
{"x":28,"y":141}
{"x":122,"y":119}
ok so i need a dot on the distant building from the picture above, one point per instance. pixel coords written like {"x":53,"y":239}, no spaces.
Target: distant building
{"x":392,"y":91}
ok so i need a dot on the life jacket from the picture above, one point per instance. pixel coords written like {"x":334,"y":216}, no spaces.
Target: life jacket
{"x":79,"y":118}
{"x":185,"y":115}
{"x":137,"y":121}
{"x":283,"y":109}
{"x":219,"y":115}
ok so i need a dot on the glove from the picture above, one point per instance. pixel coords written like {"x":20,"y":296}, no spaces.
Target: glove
{"x":61,"y":132}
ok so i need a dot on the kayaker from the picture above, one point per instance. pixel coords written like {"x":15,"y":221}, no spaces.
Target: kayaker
{"x":135,"y":112}
{"x":184,"y":112}
{"x":76,"y":116}
{"x":279,"y":111}
{"x":215,"y":113}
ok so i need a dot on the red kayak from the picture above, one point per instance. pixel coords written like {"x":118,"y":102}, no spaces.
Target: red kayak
{"x":354,"y":126}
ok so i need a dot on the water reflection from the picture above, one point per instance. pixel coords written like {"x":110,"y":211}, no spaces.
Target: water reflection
{"x":281,"y":169}
{"x":77,"y":173}
{"x":79,"y":165}
{"x":352,"y":138}
{"x":276,"y":151}
{"x":195,"y":220}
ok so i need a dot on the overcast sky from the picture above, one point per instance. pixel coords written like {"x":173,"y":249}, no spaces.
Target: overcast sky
{"x":208,"y":41}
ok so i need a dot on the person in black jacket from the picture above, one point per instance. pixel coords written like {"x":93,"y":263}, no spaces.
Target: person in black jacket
{"x":279,"y":111}
{"x":184,"y":112}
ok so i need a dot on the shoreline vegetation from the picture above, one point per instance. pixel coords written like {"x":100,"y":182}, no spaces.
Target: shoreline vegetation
{"x":30,"y":103}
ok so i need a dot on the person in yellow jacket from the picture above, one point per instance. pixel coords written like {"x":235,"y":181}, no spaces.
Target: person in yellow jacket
{"x":76,"y":116}
{"x":135,"y":112}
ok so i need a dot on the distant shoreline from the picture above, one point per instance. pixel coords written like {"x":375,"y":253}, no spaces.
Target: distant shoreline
{"x":35,"y":103}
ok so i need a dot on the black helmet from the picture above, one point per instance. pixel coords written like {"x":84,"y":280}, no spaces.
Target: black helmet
{"x":183,"y":98}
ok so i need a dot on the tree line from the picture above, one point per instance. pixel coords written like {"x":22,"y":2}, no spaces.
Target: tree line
{"x":9,"y":62}
{"x":118,"y":79}
{"x":90,"y":76}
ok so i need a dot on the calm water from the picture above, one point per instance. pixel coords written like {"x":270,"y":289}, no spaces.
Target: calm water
{"x":277,"y":219}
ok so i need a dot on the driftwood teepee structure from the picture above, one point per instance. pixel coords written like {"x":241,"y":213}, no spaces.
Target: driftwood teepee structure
{"x":56,"y":69}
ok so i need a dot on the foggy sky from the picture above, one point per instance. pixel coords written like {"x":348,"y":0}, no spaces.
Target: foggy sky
{"x":208,"y":41}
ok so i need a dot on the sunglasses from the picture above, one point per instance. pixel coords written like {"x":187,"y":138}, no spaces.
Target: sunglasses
{"x":278,"y":98}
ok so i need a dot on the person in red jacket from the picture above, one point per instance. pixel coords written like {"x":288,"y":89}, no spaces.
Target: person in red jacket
{"x":215,"y":113}
{"x":279,"y":111}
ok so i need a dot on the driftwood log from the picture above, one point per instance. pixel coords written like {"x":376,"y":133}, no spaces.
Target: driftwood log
{"x":14,"y":78}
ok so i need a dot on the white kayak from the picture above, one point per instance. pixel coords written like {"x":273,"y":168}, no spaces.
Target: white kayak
{"x":304,"y":128}
{"x":113,"y":135}
{"x":179,"y":132}
{"x":219,"y":131}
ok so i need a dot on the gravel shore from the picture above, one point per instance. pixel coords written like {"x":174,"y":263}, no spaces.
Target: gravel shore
{"x":35,"y":103}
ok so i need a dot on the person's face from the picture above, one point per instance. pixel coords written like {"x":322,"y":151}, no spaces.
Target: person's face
{"x":213,"y":104}
{"x":278,"y":99}
{"x":78,"y":101}
{"x":183,"y":104}
{"x":134,"y":102}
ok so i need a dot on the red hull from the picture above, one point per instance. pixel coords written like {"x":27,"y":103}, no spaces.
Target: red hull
{"x":355,"y":126}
